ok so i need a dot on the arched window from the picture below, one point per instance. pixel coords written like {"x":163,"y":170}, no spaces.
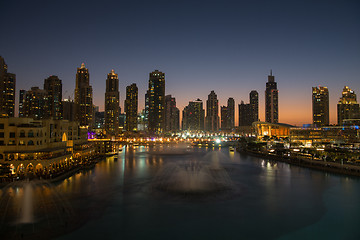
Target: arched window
{"x":22,"y":133}
{"x":31,"y":133}
{"x":30,"y":142}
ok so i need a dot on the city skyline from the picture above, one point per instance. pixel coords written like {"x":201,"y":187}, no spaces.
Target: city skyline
{"x":228,"y":47}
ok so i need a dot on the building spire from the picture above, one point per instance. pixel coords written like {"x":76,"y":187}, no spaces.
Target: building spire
{"x":270,"y":72}
{"x":83,"y":65}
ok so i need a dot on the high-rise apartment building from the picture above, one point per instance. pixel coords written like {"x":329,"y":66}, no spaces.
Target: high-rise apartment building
{"x":36,"y":104}
{"x":193,"y":116}
{"x":271,"y":100}
{"x":320,"y":106}
{"x":68,"y":107}
{"x":131,"y":108}
{"x":245,"y":114}
{"x":112,"y":104}
{"x":348,"y":107}
{"x":249,"y":113}
{"x":7,"y":90}
{"x":83,"y":97}
{"x":156,"y":96}
{"x":212,"y":112}
{"x":172,"y":116}
{"x":254,"y":102}
{"x":21,"y":103}
{"x":53,"y":87}
{"x":228,"y":115}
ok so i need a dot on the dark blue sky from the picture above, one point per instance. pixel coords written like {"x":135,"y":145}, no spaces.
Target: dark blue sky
{"x":226,"y":46}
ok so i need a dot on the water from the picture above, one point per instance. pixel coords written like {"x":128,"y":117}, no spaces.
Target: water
{"x":120,"y":200}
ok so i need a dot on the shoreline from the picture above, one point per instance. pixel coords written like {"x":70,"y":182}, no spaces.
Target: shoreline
{"x":61,"y":176}
{"x":330,"y":167}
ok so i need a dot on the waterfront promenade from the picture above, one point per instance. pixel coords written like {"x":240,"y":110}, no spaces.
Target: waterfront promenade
{"x":309,"y":162}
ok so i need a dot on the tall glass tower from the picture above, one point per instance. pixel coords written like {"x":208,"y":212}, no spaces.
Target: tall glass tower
{"x":156,"y":96}
{"x":271,"y":100}
{"x":112,"y":107}
{"x":83,"y":98}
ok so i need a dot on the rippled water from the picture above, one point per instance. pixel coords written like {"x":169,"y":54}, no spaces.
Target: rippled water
{"x":117,"y":200}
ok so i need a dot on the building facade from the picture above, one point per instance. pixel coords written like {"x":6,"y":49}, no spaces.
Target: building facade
{"x":348,"y":107}
{"x":112,"y":105}
{"x":7,"y":90}
{"x":22,"y":94}
{"x":32,"y":146}
{"x":254,"y":102}
{"x":212,"y":112}
{"x":172,"y":115}
{"x":83,"y":98}
{"x":131,"y":108}
{"x":53,"y":88}
{"x":36,"y":104}
{"x":193,"y":116}
{"x":156,"y":96}
{"x":271,"y":100}
{"x":320,"y":106}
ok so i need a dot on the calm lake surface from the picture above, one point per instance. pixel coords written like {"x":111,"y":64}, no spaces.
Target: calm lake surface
{"x":121,"y":199}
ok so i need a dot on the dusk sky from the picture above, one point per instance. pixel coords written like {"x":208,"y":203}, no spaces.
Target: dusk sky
{"x":226,"y":46}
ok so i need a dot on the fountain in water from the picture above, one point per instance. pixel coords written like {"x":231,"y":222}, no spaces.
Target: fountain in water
{"x":27,"y":210}
{"x":194,"y":177}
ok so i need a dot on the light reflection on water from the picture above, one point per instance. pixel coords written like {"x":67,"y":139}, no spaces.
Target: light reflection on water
{"x":115,"y":200}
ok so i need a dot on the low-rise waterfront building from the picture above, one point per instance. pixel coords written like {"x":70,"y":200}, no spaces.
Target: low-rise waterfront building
{"x":37,"y":146}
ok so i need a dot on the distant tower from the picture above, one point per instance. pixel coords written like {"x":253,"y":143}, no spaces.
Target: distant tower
{"x":68,"y":107}
{"x":83,"y":97}
{"x":245,"y":114}
{"x":53,"y":87}
{"x":347,"y":108}
{"x":271,"y":100}
{"x":156,"y":95}
{"x":112,"y":106}
{"x":231,"y":113}
{"x":131,"y":107}
{"x":320,"y":104}
{"x":36,"y":104}
{"x":254,"y":102}
{"x":172,"y":114}
{"x":193,"y":116}
{"x":224,"y":117}
{"x":228,"y":115}
{"x":212,"y":112}
{"x":21,"y":103}
{"x":7,"y":91}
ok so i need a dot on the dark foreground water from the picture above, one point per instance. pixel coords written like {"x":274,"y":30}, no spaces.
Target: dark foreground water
{"x":121,"y":199}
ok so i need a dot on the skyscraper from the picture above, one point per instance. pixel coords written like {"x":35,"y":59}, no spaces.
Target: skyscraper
{"x":193,"y":116}
{"x":212,"y":112}
{"x":21,"y":103}
{"x":7,"y":91}
{"x":271,"y":100}
{"x":83,"y":97}
{"x":112,"y":104}
{"x":228,"y":115}
{"x":249,"y":113}
{"x":131,"y":107}
{"x":172,"y":115}
{"x":53,"y":87}
{"x":254,"y":102}
{"x":245,"y":114}
{"x":36,"y":104}
{"x":347,"y":108}
{"x":68,"y":107}
{"x":224,"y":117}
{"x":320,"y":106}
{"x":156,"y":95}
